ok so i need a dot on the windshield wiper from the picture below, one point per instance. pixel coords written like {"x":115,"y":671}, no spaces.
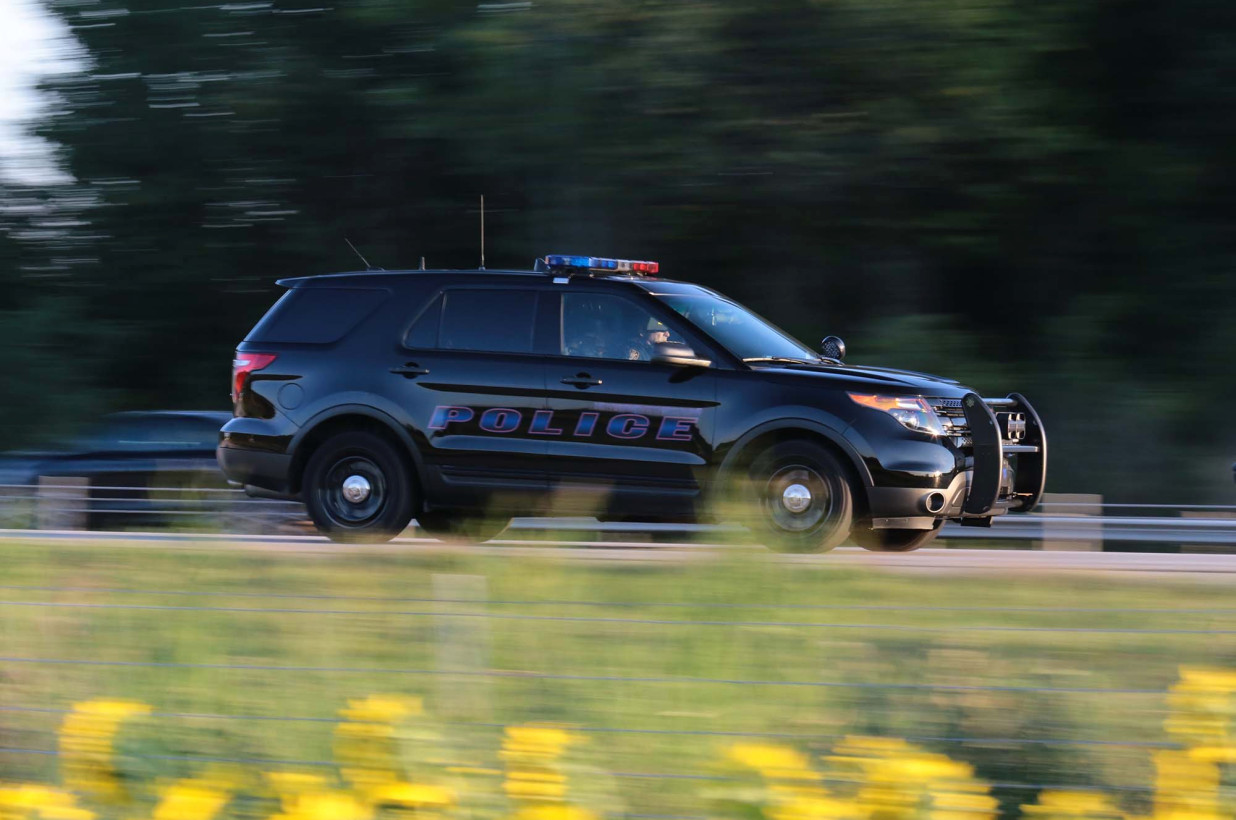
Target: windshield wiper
{"x":782,"y":359}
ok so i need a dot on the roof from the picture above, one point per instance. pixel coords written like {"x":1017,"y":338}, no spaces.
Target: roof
{"x":375,"y":276}
{"x":296,"y":281}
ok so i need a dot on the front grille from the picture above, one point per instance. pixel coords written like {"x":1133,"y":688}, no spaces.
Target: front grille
{"x":953,"y":417}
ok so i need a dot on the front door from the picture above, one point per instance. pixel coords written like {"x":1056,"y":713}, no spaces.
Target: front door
{"x":625,"y":436}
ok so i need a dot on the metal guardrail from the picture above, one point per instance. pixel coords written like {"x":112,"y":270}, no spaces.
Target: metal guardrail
{"x":1063,"y":521}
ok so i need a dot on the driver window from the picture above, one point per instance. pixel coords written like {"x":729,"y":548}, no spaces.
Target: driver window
{"x":603,"y":326}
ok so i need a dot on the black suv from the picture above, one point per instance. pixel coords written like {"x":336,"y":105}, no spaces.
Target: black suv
{"x":592,"y":386}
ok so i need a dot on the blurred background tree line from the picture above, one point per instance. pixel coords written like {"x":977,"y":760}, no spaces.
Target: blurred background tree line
{"x":1026,"y":196}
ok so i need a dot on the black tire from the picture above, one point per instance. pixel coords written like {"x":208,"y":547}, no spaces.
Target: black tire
{"x":458,"y":527}
{"x":386,"y":509}
{"x":895,"y":540}
{"x":826,"y":519}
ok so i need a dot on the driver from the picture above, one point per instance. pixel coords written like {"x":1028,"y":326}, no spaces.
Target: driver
{"x":654,"y":333}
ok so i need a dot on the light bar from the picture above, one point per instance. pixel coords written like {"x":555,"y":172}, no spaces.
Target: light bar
{"x":597,"y":263}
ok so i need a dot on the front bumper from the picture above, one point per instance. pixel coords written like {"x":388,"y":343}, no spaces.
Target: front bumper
{"x":1001,"y":449}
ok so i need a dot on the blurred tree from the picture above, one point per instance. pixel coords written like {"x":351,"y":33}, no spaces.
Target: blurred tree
{"x":1034,"y":190}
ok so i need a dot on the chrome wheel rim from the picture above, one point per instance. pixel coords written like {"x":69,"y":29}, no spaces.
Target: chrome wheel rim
{"x":797,"y":498}
{"x":356,"y":488}
{"x":353,"y":491}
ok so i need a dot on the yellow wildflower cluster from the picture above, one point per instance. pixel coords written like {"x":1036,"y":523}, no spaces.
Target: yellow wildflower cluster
{"x":367,"y":750}
{"x":900,"y":781}
{"x":1203,"y":717}
{"x":1203,"y":712}
{"x":879,"y":779}
{"x":367,"y":742}
{"x":30,"y":802}
{"x":311,"y":797}
{"x":793,"y":789}
{"x":535,"y":778}
{"x":195,"y":798}
{"x":1072,"y":805}
{"x":87,"y":748}
{"x":862,"y":778}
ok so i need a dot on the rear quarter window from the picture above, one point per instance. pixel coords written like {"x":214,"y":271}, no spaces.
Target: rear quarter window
{"x":316,"y":315}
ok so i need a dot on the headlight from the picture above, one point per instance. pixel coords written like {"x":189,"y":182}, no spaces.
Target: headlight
{"x":911,"y":411}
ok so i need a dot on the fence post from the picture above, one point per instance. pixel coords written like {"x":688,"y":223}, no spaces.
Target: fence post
{"x":61,"y":502}
{"x":1075,"y":522}
{"x":462,"y":644}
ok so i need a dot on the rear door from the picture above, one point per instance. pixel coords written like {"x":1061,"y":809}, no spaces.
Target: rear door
{"x":625,"y":436}
{"x":472,"y":384}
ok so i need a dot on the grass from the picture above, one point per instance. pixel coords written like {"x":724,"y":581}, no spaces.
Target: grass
{"x":660,"y":666}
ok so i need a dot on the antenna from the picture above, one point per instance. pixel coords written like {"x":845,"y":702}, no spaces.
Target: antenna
{"x":358,"y":253}
{"x":422,"y":263}
{"x":482,"y":232}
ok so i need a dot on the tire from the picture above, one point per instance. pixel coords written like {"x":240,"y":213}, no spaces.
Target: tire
{"x":385,"y":510}
{"x":770,"y":493}
{"x":895,"y":540}
{"x":453,"y":526}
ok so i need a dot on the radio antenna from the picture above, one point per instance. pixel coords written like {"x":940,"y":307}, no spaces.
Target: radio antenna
{"x":482,"y":232}
{"x":358,"y":253}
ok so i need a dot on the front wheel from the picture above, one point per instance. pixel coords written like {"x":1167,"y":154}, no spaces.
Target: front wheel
{"x":359,"y":488}
{"x":799,"y":498}
{"x":456,"y":527}
{"x":895,"y":540}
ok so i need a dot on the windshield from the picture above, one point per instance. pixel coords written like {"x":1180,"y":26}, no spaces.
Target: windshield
{"x":742,"y":332}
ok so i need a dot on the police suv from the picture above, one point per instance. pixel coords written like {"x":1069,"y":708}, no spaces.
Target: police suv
{"x":593,"y":386}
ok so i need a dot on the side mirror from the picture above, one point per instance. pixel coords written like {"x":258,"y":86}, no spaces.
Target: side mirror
{"x":833,"y":348}
{"x":677,"y":354}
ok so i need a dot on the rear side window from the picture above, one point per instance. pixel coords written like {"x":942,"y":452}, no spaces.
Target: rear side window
{"x":316,"y":315}
{"x":496,"y":321}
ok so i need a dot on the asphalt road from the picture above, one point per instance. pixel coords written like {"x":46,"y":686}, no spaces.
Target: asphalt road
{"x":1217,"y":567}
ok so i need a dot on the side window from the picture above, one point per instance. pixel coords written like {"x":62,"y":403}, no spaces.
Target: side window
{"x":424,"y":332}
{"x":604,"y":326}
{"x":496,"y":321}
{"x":316,"y":315}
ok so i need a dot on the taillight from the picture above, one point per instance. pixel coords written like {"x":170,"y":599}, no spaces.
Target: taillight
{"x":243,"y":365}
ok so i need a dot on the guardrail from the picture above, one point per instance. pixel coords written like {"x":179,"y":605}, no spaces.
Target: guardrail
{"x":1061,"y":522}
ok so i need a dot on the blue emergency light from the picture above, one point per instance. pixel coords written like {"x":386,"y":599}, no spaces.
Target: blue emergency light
{"x":558,"y":261}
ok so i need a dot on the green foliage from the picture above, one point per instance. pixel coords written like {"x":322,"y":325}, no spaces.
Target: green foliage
{"x":1053,"y":176}
{"x":644,"y":659}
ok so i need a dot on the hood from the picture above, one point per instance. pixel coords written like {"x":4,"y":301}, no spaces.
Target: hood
{"x":872,"y":378}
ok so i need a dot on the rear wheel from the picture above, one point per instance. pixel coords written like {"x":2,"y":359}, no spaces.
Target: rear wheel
{"x":895,"y":540}
{"x":798,"y":498}
{"x":459,"y":527}
{"x":359,"y":488}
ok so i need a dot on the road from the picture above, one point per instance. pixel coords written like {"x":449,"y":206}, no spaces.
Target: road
{"x":1217,"y":567}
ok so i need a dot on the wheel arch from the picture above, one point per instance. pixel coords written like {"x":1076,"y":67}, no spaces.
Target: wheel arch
{"x":743,"y":451}
{"x":345,"y":418}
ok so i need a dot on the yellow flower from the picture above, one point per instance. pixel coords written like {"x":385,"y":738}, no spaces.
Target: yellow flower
{"x":555,"y":812}
{"x":773,"y":761}
{"x":326,"y":805}
{"x":412,"y":796}
{"x":383,"y":709}
{"x":86,"y":747}
{"x":190,"y":799}
{"x":28,"y":800}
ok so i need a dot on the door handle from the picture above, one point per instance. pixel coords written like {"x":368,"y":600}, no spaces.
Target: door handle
{"x":581,"y":380}
{"x":410,"y":370}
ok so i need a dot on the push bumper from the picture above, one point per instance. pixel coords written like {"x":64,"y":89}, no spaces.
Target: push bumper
{"x":1002,"y":428}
